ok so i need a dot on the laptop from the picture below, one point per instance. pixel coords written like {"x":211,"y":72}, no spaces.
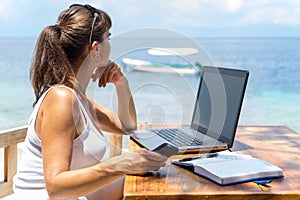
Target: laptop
{"x":215,"y":117}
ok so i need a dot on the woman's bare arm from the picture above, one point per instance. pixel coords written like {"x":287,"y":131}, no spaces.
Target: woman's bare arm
{"x":57,"y":134}
{"x":125,"y":118}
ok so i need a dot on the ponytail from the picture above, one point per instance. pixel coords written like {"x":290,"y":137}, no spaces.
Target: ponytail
{"x":61,"y":48}
{"x":50,"y":64}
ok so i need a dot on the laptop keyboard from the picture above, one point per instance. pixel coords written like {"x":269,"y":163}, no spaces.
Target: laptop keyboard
{"x":178,"y":138}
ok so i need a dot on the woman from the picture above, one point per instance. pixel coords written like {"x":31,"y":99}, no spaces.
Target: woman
{"x":65,"y":151}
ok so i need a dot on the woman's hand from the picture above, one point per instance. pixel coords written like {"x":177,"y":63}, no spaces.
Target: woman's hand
{"x":109,"y":74}
{"x":126,"y":115}
{"x":137,"y":162}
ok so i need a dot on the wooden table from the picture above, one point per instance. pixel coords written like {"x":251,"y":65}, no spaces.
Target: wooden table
{"x":276,"y":144}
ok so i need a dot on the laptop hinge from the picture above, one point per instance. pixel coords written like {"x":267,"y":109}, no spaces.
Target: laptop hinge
{"x":229,"y":148}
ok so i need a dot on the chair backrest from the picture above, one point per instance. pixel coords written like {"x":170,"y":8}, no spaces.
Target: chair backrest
{"x":9,"y":140}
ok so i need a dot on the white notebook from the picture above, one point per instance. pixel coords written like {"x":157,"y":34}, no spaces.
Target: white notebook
{"x":225,"y":168}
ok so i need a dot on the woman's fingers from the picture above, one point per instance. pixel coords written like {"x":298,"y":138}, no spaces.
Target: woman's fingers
{"x":115,"y":73}
{"x":110,"y":74}
{"x":137,"y":162}
{"x":97,"y":73}
{"x":151,"y":160}
{"x":153,"y":155}
{"x":114,"y":70}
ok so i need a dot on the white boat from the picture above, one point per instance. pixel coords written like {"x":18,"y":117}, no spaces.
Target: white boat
{"x":172,"y":51}
{"x":146,"y":66}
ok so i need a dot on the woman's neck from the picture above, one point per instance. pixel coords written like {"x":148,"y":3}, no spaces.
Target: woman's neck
{"x":83,"y":81}
{"x":84,"y":73}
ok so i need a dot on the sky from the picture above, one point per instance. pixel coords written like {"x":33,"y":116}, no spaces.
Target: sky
{"x":195,"y":18}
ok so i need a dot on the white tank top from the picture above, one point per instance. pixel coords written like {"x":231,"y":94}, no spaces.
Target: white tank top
{"x":89,"y":148}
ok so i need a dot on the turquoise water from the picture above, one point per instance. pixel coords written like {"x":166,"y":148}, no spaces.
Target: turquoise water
{"x":272,"y":96}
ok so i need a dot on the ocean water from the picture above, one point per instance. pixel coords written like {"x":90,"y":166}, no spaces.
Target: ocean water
{"x":272,"y":96}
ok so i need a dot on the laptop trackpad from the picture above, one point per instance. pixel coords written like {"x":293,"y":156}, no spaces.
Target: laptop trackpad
{"x":148,"y":138}
{"x":144,"y":134}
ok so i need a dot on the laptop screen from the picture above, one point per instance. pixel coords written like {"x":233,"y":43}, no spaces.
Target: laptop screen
{"x":219,"y":101}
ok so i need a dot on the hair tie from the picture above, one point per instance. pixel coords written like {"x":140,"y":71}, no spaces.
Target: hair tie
{"x":57,"y":27}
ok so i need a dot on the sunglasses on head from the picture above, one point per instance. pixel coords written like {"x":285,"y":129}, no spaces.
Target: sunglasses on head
{"x":94,"y":12}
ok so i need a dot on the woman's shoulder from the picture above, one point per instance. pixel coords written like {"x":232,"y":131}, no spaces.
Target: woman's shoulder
{"x":62,"y":93}
{"x":59,"y":108}
{"x":60,"y":97}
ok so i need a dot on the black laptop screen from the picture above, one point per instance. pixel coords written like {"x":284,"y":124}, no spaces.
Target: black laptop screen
{"x":219,"y":101}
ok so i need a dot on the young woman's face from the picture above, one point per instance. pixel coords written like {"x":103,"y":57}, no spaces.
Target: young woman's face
{"x":105,"y":49}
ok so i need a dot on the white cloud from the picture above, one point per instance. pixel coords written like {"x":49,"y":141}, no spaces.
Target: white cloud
{"x":233,"y":12}
{"x":173,"y":14}
{"x":202,"y":13}
{"x":185,"y":6}
{"x":227,"y":6}
{"x":198,"y":5}
{"x":271,"y":12}
{"x":233,"y":5}
{"x":6,"y":10}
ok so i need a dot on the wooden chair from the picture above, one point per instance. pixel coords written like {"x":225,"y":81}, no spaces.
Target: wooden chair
{"x":9,"y":140}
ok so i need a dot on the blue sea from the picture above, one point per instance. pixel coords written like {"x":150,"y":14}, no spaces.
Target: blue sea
{"x":272,"y":95}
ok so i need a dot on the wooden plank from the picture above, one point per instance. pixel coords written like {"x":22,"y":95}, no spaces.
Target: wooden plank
{"x":12,"y":136}
{"x":6,"y":188}
{"x":215,"y":197}
{"x":10,"y":169}
{"x":115,"y":144}
{"x":276,"y":144}
{"x":10,"y":162}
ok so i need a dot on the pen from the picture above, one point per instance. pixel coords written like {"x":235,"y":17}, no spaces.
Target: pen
{"x":262,"y":182}
{"x":210,"y":155}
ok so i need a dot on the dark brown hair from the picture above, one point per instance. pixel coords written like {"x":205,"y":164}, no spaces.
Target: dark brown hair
{"x":61,"y":45}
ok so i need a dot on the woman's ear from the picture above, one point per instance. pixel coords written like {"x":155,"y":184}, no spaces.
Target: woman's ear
{"x":94,"y":46}
{"x":96,"y":51}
